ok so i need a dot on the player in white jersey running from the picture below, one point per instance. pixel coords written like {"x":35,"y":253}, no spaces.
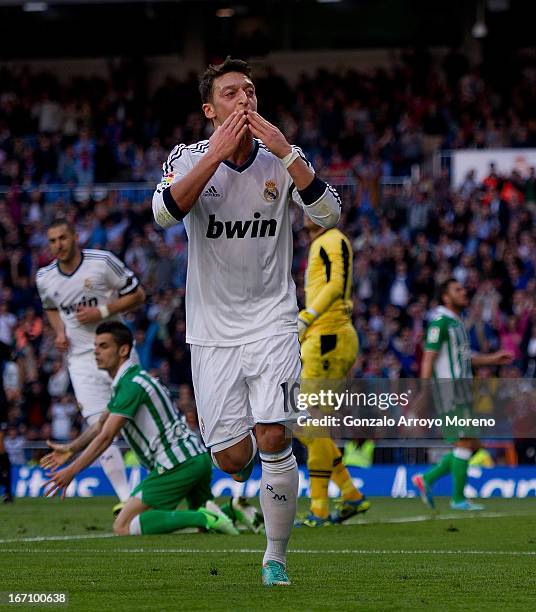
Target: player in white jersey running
{"x":233,"y":192}
{"x":78,"y":290}
{"x":448,"y":360}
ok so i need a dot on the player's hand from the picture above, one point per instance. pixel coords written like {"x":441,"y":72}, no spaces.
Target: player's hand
{"x":60,"y":480}
{"x":270,"y":135}
{"x":305,"y":318}
{"x":502,"y":357}
{"x":226,"y":138}
{"x":87,"y":314}
{"x":61,"y":343}
{"x":60,"y":455}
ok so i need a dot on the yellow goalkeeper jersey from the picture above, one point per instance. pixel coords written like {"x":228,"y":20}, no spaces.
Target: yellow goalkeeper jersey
{"x":328,"y":282}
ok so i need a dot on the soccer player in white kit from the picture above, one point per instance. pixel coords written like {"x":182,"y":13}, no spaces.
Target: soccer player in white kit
{"x":78,"y":290}
{"x":233,"y":192}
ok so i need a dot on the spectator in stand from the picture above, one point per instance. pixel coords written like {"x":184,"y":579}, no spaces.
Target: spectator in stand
{"x":15,"y":444}
{"x":58,"y":381}
{"x":8,"y":323}
{"x":482,"y":335}
{"x":29,"y":330}
{"x":61,"y":415}
{"x":399,"y":294}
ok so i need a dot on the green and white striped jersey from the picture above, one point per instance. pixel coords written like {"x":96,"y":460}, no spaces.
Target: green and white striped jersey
{"x":447,"y":337}
{"x":154,"y":430}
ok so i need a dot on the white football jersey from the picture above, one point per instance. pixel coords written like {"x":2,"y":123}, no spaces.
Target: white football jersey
{"x":239,"y":285}
{"x":99,"y":279}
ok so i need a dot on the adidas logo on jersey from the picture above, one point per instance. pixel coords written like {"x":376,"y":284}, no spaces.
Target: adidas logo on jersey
{"x":211,"y":192}
{"x":251,"y":228}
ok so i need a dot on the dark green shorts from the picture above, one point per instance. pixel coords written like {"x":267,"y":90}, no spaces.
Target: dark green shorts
{"x":190,"y":480}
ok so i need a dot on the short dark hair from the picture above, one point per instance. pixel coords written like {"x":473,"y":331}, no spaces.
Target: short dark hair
{"x":59,"y":221}
{"x":443,"y":288}
{"x":206,"y":80}
{"x":119,"y":332}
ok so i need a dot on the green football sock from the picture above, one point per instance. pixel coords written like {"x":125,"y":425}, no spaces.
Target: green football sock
{"x":439,"y":470}
{"x":459,"y":477}
{"x":166,"y":521}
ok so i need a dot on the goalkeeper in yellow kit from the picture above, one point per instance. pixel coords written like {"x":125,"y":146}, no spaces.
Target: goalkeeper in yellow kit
{"x":329,"y":348}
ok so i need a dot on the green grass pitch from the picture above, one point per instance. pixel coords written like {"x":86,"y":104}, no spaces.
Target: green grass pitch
{"x":397,"y":557}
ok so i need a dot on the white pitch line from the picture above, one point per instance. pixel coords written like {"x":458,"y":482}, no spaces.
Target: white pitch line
{"x":430,"y":517}
{"x":407,"y":519}
{"x":299,"y":551}
{"x":58,"y":538}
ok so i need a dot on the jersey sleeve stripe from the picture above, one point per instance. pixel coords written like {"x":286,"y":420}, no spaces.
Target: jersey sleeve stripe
{"x":346,"y":266}
{"x":105,"y":255}
{"x":42,"y":271}
{"x":175,"y":153}
{"x":302,"y":156}
{"x":112,"y":260}
{"x":200,"y":147}
{"x":327,"y":263}
{"x":117,"y":271}
{"x":335,"y":193}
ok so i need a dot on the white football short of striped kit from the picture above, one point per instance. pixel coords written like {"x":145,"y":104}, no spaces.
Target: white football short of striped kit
{"x":239,"y":386}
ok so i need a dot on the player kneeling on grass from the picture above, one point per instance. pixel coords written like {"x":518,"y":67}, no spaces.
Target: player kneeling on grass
{"x":179,"y":464}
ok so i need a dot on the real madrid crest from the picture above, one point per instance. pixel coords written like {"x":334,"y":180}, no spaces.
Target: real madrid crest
{"x":271,"y":192}
{"x":88,"y":283}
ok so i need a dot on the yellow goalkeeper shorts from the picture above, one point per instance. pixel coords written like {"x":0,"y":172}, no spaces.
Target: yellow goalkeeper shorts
{"x":329,"y":356}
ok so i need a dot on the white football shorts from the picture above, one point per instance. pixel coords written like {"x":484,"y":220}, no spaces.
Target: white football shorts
{"x":92,"y":387}
{"x":239,"y":386}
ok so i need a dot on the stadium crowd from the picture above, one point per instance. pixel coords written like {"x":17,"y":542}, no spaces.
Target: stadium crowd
{"x":406,"y":238}
{"x":98,"y":130}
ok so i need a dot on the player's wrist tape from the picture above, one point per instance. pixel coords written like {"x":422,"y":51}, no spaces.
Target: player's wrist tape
{"x":104,"y":311}
{"x":171,"y":205}
{"x":290,"y":158}
{"x":308,"y":316}
{"x":313,"y":192}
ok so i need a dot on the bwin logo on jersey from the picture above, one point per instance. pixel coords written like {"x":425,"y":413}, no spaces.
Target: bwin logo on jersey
{"x":71,"y":308}
{"x":251,"y":228}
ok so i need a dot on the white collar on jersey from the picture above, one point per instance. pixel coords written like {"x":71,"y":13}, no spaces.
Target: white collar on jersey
{"x":128,"y":364}
{"x":442,"y":310}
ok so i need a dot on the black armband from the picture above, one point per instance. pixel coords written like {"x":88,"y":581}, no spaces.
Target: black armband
{"x":171,"y":205}
{"x":313,"y":192}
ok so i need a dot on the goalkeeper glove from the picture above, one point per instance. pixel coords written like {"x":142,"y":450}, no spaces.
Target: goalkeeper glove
{"x":305,"y":318}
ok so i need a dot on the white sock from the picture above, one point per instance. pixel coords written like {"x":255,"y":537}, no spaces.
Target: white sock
{"x":279,"y":490}
{"x":462,"y":453}
{"x":134,"y":527}
{"x":113,"y":465}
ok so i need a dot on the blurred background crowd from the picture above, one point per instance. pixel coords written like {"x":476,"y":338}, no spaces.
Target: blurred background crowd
{"x":58,"y":142}
{"x":96,"y":130}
